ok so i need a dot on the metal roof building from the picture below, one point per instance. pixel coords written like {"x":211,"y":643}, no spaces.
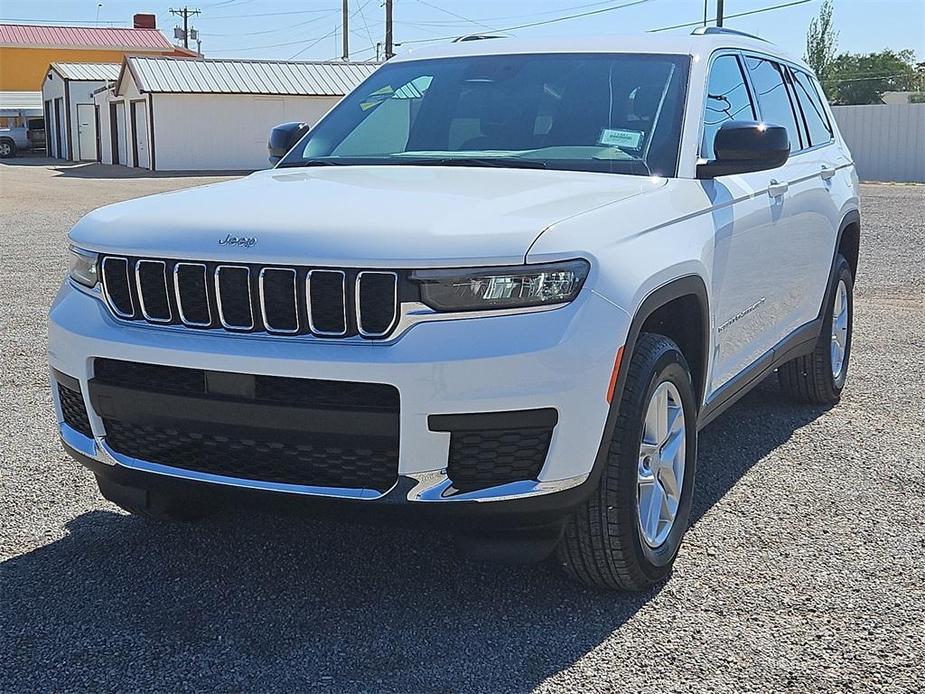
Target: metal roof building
{"x":71,"y":124}
{"x":212,"y":115}
{"x":167,"y":76}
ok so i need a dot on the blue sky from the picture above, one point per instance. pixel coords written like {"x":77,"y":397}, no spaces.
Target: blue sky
{"x":309,"y":29}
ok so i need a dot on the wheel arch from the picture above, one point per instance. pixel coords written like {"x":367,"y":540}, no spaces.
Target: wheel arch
{"x":848,"y":244}
{"x":657,"y":305}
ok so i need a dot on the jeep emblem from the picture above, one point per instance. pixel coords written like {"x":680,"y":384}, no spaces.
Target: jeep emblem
{"x":242,"y":241}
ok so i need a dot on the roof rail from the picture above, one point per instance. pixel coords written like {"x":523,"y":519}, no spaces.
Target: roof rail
{"x":712,"y":31}
{"x":479,"y":37}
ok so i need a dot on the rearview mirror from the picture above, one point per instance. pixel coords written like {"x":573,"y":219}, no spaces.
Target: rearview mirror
{"x":745,"y":146}
{"x":283,"y":138}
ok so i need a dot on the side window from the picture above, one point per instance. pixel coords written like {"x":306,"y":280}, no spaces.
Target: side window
{"x":727,"y":99}
{"x":767,"y":79}
{"x":817,"y":123}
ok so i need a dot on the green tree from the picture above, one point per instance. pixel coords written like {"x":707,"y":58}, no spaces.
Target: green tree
{"x":821,"y":41}
{"x":856,"y":78}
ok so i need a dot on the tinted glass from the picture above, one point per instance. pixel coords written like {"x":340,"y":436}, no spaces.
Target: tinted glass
{"x":582,"y":112}
{"x":727,"y":99}
{"x":773,"y":97}
{"x":813,"y":111}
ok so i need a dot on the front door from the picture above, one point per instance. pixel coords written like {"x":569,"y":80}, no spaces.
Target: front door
{"x":140,"y":128}
{"x":86,"y":132}
{"x":751,"y":257}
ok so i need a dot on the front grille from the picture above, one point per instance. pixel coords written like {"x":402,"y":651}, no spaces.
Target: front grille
{"x":251,"y":427}
{"x":480,"y":459}
{"x":321,"y":302}
{"x":73,"y":409}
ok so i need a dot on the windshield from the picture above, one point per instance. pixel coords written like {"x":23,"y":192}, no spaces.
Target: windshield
{"x":616,"y":113}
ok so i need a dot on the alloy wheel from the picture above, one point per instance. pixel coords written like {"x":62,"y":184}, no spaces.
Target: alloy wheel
{"x":839,"y":329}
{"x":660,"y":476}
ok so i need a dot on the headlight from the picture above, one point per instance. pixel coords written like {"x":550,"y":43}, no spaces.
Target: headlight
{"x":82,"y":267}
{"x":521,"y":286}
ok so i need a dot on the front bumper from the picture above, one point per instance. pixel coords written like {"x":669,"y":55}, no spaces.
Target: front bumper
{"x":560,"y":359}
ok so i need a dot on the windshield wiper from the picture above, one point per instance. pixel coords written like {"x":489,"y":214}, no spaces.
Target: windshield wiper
{"x":312,"y":162}
{"x":496,"y":162}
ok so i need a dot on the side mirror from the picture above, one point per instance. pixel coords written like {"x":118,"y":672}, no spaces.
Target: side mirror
{"x":745,"y":146}
{"x":283,"y":138}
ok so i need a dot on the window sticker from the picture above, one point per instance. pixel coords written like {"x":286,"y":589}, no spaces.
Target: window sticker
{"x":631,"y":139}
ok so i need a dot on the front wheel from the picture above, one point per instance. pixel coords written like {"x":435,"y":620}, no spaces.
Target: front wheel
{"x":627,"y":534}
{"x":819,"y":377}
{"x":7,"y":149}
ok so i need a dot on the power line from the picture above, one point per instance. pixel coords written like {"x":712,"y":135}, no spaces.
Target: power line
{"x":450,"y":23}
{"x":699,"y":22}
{"x":550,"y":21}
{"x":453,"y":14}
{"x":331,"y":33}
{"x":277,"y":30}
{"x":265,"y":14}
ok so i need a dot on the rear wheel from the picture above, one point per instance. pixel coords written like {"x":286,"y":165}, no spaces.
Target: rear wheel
{"x":819,"y":377}
{"x":152,"y":505}
{"x":627,"y":534}
{"x":7,"y":149}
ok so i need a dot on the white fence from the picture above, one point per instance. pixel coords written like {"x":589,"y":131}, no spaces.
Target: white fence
{"x":887,"y":141}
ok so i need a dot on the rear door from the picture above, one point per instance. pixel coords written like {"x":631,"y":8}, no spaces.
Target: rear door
{"x":822,"y":183}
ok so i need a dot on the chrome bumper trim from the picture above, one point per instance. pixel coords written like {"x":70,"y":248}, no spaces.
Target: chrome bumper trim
{"x":436,"y":487}
{"x":429,"y":487}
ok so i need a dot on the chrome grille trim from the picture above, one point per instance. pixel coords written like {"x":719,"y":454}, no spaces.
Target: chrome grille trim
{"x":218,"y":297}
{"x":359,"y":313}
{"x":308,"y":301}
{"x":176,"y":290}
{"x":263,"y":302}
{"x":141,"y":293}
{"x":128,"y":283}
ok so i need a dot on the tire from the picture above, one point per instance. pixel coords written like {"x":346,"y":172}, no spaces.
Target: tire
{"x":604,"y":544}
{"x":817,"y":377}
{"x":155,"y":506}
{"x":7,"y":149}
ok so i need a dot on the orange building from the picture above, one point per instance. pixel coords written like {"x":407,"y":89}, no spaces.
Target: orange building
{"x":26,"y":51}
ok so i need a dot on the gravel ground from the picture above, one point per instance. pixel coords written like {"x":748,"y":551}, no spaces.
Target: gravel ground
{"x":804,"y":569}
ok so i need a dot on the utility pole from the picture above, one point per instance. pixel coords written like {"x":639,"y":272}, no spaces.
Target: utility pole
{"x":389,"y":45}
{"x":346,"y":55}
{"x":719,"y":13}
{"x":186,"y":13}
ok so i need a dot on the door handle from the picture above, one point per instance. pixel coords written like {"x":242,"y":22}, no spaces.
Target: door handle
{"x":776,"y":188}
{"x":827,"y":172}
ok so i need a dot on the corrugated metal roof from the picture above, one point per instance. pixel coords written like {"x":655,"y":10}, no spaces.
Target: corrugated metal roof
{"x":116,"y":38}
{"x":87,"y":71}
{"x":20,"y":101}
{"x":165,"y":75}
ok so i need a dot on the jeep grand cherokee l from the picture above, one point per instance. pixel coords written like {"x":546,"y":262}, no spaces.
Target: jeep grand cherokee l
{"x":501,"y":285}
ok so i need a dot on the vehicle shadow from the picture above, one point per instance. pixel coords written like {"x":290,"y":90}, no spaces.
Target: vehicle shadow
{"x":282,"y":603}
{"x":93,"y":170}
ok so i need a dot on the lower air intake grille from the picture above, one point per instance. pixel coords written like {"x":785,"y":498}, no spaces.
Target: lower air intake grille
{"x":73,"y":410}
{"x":347,"y":464}
{"x":252,"y":427}
{"x":493,"y":448}
{"x":480,"y":459}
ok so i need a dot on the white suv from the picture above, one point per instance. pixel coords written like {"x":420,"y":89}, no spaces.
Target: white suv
{"x":500,"y":286}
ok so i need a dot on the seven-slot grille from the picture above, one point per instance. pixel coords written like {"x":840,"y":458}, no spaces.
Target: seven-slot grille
{"x":253,"y":298}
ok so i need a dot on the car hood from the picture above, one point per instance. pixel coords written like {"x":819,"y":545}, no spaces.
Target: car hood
{"x":371,"y":216}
